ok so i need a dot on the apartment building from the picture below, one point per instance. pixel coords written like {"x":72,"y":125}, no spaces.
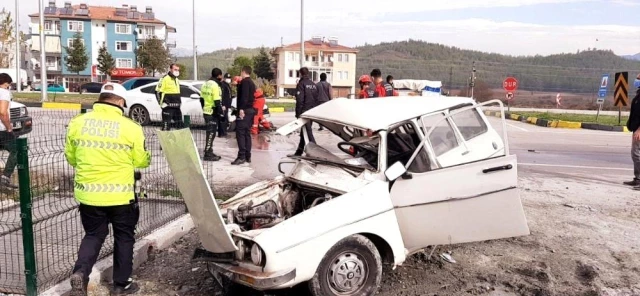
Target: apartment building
{"x":119,"y":29}
{"x":321,"y":55}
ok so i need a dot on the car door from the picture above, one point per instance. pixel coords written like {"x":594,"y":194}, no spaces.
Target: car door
{"x":190,"y":106}
{"x":457,"y":202}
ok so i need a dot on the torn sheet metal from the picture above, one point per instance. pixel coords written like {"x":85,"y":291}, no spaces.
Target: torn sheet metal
{"x":184,"y":162}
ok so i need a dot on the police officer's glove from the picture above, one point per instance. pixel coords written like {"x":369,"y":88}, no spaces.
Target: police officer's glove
{"x":137,"y":175}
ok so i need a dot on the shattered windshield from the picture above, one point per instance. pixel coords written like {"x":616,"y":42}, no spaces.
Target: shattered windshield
{"x":359,"y":152}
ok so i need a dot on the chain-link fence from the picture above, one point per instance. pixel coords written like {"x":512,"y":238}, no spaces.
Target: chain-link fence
{"x":52,"y":211}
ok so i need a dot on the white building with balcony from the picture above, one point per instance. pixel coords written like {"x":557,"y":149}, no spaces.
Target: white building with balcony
{"x":321,"y":56}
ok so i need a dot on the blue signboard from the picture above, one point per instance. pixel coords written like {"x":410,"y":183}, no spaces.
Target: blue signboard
{"x":602,"y":92}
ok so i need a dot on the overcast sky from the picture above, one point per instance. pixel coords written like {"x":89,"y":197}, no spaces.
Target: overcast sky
{"x":517,"y":27}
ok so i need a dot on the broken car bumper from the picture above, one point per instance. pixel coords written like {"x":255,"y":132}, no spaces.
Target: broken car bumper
{"x":252,"y":276}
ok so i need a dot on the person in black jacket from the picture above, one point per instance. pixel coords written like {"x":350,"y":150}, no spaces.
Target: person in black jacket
{"x":306,"y":99}
{"x":245,"y":98}
{"x":325,"y":92}
{"x":633,"y":124}
{"x":226,"y":104}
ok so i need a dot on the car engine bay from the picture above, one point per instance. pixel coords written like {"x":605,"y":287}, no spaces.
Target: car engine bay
{"x":292,"y":200}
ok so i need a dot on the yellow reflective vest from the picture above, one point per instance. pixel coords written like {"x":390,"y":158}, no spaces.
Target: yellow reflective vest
{"x":105,"y":148}
{"x":169,"y":90}
{"x":212,"y":95}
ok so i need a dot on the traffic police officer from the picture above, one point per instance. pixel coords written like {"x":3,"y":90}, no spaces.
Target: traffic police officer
{"x":212,"y":95}
{"x":105,"y":148}
{"x":168,"y":96}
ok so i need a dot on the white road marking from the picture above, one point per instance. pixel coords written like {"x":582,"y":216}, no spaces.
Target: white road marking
{"x":517,"y":127}
{"x":574,"y":166}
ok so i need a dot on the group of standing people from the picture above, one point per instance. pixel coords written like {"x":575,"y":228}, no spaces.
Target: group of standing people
{"x":216,"y":94}
{"x":373,"y":86}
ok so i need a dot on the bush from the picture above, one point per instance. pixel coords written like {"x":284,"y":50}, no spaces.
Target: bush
{"x":268,"y":88}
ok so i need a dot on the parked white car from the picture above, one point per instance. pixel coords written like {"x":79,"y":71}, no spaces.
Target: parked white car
{"x":20,"y":119}
{"x":414,"y":173}
{"x":143,"y":107}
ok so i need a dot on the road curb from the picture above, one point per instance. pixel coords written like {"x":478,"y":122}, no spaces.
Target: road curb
{"x":61,"y":106}
{"x":558,"y":123}
{"x":160,"y":239}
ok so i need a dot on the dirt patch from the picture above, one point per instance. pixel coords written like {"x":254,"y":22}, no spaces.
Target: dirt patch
{"x":571,"y":251}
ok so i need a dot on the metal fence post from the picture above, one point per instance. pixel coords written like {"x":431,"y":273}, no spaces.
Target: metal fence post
{"x":187,"y":121}
{"x":28,"y":241}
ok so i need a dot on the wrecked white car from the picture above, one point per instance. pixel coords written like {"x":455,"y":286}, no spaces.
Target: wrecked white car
{"x":415,"y":172}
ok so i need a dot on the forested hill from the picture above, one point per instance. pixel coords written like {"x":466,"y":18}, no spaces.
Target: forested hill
{"x":574,"y":72}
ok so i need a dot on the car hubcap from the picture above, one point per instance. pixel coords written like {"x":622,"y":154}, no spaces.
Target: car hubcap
{"x":347,"y":274}
{"x":139,"y":115}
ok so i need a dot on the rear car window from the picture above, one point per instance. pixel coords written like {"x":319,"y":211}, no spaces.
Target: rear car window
{"x":470,"y":124}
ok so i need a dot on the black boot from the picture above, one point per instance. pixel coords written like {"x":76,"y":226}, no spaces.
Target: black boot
{"x":239,"y":161}
{"x":248,"y":158}
{"x":210,"y":156}
{"x":78,"y":284}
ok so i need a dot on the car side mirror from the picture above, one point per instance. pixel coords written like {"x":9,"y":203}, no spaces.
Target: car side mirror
{"x":395,"y":171}
{"x":195,"y":96}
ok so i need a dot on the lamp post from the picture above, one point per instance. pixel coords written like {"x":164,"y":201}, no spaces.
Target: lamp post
{"x":18,"y":63}
{"x":43,"y":62}
{"x":301,"y":33}
{"x":195,"y":50}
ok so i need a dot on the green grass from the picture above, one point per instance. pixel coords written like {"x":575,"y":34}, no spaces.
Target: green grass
{"x":602,"y":119}
{"x":34,"y":97}
{"x":288,"y":107}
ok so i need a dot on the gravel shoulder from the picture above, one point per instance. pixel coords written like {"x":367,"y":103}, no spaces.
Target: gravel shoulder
{"x":584,"y":241}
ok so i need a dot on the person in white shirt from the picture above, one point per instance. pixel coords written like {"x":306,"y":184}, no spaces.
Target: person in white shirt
{"x":7,"y":138}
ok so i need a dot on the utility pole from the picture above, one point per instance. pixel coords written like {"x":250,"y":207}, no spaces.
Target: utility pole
{"x":195,"y":49}
{"x":18,"y":63}
{"x":473,"y":77}
{"x":301,"y":33}
{"x":43,"y":57}
{"x":450,"y":80}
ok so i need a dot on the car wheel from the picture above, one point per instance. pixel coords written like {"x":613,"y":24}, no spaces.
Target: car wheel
{"x":140,"y":115}
{"x":84,"y":90}
{"x":351,"y":267}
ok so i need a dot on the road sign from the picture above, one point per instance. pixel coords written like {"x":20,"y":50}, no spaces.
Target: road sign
{"x":510,"y":84}
{"x":602,"y":92}
{"x":510,"y":96}
{"x":621,"y":95}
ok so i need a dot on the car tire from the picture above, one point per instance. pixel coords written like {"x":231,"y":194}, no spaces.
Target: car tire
{"x":352,"y":267}
{"x":83,"y":91}
{"x":140,"y":114}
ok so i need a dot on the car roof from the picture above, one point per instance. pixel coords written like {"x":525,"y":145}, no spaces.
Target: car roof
{"x":381,"y":113}
{"x":156,"y":83}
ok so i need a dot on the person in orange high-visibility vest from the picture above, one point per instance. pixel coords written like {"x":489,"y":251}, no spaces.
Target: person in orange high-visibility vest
{"x":259,"y":119}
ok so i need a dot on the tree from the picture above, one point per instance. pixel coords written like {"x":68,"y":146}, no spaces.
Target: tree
{"x":262,"y":65}
{"x":77,"y":58}
{"x":482,"y":92}
{"x":183,"y":72}
{"x":7,"y":38}
{"x":106,"y":63}
{"x":153,"y":56}
{"x":237,"y":65}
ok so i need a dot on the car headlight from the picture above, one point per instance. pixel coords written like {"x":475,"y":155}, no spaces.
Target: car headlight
{"x":23,"y":111}
{"x":257,"y":255}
